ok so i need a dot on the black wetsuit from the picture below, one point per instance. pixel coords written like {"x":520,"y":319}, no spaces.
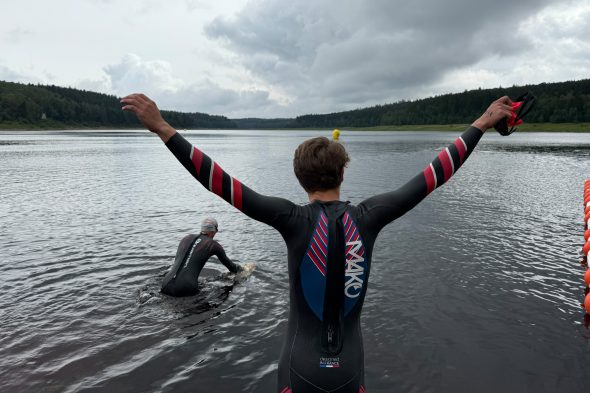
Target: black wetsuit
{"x":193,"y":251}
{"x":329,"y":254}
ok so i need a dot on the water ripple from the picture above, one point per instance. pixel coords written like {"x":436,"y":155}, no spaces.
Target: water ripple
{"x":479,"y":281}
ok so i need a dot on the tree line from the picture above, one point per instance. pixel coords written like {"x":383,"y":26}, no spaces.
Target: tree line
{"x":562,"y":102}
{"x":39,"y":105}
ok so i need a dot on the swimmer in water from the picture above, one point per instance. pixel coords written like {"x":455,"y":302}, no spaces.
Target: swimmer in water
{"x":192,"y":254}
{"x":329,"y":242}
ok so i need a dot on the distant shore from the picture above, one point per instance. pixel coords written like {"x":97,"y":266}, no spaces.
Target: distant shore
{"x":526,"y":127}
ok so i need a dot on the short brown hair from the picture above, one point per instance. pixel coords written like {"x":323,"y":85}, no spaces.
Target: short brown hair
{"x":318,"y":164}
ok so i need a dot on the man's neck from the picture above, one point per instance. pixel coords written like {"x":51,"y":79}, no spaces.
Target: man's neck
{"x":324,"y":196}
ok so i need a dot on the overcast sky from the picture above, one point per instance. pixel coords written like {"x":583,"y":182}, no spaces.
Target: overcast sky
{"x":282,"y":58}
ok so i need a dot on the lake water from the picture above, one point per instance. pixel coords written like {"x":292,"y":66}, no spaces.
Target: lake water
{"x":478,"y":289}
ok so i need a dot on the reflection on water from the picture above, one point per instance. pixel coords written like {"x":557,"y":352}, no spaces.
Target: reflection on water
{"x":477,"y":289}
{"x":574,"y":150}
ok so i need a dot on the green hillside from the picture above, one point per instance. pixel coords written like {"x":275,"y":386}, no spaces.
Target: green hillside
{"x":563,"y":102}
{"x":49,"y":107}
{"x":560,"y":106}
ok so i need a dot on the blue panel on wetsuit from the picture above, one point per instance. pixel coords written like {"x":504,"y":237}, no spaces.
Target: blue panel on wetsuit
{"x":356,"y":264}
{"x":313,"y":268}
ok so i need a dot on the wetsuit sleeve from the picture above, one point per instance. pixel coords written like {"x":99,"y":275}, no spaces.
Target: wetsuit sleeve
{"x":219,"y":252}
{"x":257,"y":206}
{"x":382,"y":209}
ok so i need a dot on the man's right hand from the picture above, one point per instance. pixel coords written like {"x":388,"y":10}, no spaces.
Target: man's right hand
{"x":148,"y":114}
{"x":497,"y":110}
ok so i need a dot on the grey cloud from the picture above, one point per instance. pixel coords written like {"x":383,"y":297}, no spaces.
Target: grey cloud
{"x":288,"y":30}
{"x":17,"y":35}
{"x":134,"y":74}
{"x":192,"y":5}
{"x":8,"y":74}
{"x":155,"y":78}
{"x":369,"y":50}
{"x":213,"y":99}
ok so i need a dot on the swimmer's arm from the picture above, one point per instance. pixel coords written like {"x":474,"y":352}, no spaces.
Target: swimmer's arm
{"x":219,"y":252}
{"x":257,"y":206}
{"x":384,"y":208}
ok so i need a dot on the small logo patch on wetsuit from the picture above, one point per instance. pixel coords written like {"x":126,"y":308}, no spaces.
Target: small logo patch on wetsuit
{"x":329,"y":362}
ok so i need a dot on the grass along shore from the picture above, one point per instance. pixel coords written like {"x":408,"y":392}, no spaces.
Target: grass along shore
{"x":526,"y":127}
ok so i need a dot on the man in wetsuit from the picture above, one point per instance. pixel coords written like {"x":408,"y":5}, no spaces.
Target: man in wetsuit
{"x":193,"y":251}
{"x":329,"y":242}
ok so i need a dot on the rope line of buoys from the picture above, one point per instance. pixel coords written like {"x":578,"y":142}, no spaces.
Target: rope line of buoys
{"x":586,"y":247}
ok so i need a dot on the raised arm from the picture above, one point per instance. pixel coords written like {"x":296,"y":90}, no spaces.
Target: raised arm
{"x":260,"y":207}
{"x":384,"y":208}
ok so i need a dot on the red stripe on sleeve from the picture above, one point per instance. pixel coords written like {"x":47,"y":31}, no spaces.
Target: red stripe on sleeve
{"x":461,"y":149}
{"x":197,"y":160}
{"x":446,"y":165}
{"x":216,"y":181}
{"x":237,"y":194}
{"x":429,"y":177}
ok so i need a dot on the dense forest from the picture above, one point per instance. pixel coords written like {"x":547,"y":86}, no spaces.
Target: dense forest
{"x":265,"y":124}
{"x":39,"y":106}
{"x":562,"y":102}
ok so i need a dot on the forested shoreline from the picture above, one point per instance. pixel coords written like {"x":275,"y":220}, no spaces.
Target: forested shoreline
{"x":27,"y":106}
{"x":54,"y":107}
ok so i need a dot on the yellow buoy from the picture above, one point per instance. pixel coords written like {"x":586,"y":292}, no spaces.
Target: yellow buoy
{"x":336,"y":134}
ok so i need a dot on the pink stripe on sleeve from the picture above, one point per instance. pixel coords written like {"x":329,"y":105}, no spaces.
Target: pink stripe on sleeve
{"x":446,"y":165}
{"x":460,"y":145}
{"x":217,"y":174}
{"x":429,"y":177}
{"x":197,"y":158}
{"x":237,"y":190}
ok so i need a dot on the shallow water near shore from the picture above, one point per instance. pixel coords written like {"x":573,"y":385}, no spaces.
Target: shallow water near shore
{"x":478,"y":289}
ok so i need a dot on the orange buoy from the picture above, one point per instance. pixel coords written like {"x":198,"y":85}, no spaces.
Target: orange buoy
{"x":587,"y":303}
{"x":586,"y":248}
{"x":587,"y":277}
{"x":587,"y":235}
